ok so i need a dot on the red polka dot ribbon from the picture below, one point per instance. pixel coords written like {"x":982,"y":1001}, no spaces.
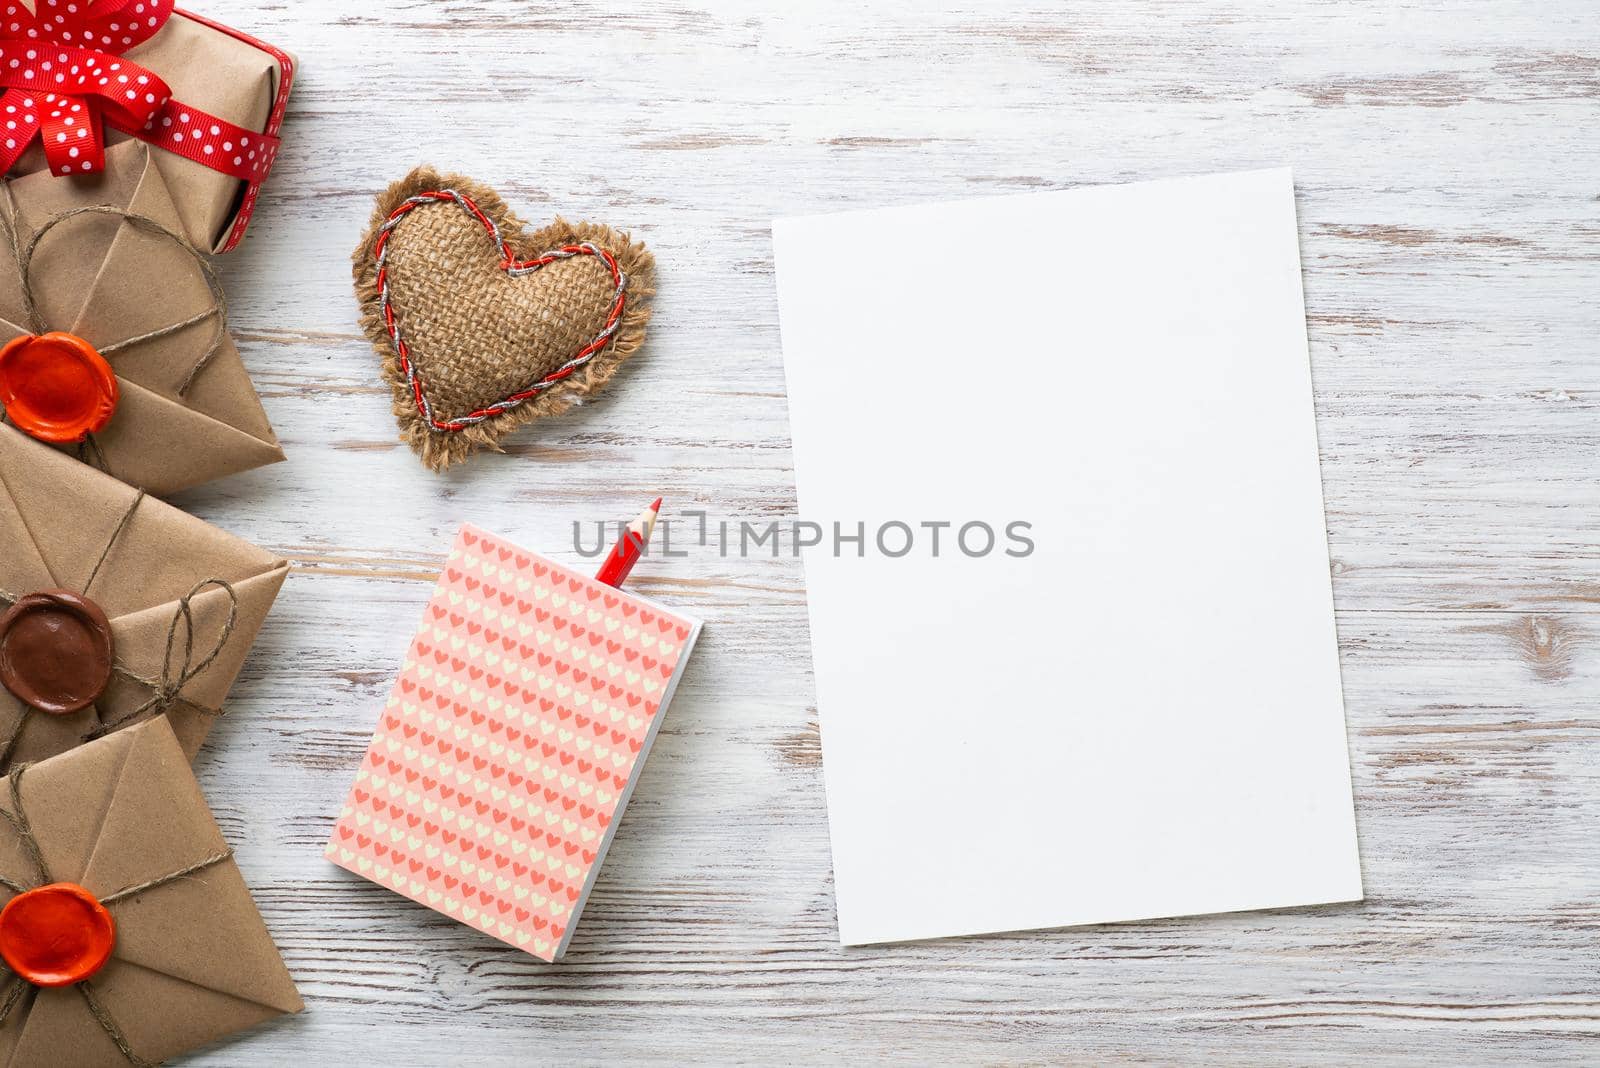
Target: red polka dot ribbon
{"x":65,"y":78}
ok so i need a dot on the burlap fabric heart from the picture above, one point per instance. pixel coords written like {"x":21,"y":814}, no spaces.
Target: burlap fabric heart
{"x":483,"y":328}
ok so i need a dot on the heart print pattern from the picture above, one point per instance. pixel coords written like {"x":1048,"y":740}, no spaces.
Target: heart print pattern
{"x":507,"y":747}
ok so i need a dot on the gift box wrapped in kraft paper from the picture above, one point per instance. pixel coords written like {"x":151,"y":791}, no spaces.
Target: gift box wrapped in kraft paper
{"x":114,"y":607}
{"x":160,"y":399}
{"x":81,"y":74}
{"x":128,"y":935}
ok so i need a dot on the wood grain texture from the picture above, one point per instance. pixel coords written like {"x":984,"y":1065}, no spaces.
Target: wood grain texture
{"x":1446,"y":161}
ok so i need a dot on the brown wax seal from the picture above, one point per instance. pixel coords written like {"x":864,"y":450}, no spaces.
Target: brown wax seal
{"x":55,"y":651}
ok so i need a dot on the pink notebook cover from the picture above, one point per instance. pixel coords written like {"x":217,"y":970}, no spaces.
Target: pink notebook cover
{"x":511,"y":742}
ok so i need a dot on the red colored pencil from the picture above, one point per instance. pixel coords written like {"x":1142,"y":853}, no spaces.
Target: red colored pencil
{"x":626,"y":552}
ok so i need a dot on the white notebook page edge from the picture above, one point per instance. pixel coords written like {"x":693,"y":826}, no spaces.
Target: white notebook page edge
{"x":667,"y":694}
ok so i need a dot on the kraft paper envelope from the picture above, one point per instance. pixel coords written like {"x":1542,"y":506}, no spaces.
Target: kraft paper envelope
{"x":56,"y":518}
{"x":1141,"y":716}
{"x":192,"y":961}
{"x":106,"y":280}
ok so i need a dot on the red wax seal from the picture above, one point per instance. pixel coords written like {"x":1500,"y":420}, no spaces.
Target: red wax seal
{"x":56,"y":386}
{"x":56,"y":935}
{"x":55,"y":651}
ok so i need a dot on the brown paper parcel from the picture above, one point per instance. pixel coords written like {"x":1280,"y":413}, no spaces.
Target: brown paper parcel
{"x":192,"y":962}
{"x":107,"y":280}
{"x":220,"y":75}
{"x":57,"y":517}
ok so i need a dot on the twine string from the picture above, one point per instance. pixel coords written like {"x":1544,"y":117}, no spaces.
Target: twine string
{"x":89,"y":452}
{"x":219,"y":299}
{"x":127,"y":517}
{"x":18,"y":819}
{"x":13,"y":736}
{"x":172,"y":877}
{"x":170,"y":687}
{"x":14,"y":992}
{"x":103,"y":1017}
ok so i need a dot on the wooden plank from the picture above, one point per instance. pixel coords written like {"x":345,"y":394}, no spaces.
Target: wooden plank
{"x":1445,"y":159}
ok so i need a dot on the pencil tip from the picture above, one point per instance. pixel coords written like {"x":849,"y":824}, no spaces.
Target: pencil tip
{"x":656,"y":507}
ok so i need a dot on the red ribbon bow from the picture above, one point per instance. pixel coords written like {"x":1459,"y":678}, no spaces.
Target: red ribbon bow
{"x":65,"y":79}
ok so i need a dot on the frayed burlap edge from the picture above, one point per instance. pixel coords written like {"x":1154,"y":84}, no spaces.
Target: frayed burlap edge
{"x":440,"y":449}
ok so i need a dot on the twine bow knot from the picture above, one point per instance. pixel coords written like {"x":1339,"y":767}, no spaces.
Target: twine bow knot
{"x":168,"y":688}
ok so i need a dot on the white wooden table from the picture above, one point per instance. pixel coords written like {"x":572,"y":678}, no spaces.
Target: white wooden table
{"x":1446,"y":156}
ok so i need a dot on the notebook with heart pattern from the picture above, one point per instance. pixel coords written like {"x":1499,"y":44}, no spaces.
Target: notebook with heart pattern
{"x":511,"y":742}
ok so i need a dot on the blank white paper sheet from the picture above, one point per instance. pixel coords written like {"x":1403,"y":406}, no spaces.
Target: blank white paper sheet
{"x":1140,"y":717}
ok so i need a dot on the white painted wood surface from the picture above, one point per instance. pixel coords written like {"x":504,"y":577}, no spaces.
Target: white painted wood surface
{"x":1446,"y":157}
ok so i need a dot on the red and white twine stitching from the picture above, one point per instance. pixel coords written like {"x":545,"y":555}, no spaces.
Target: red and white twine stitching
{"x":512,"y":266}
